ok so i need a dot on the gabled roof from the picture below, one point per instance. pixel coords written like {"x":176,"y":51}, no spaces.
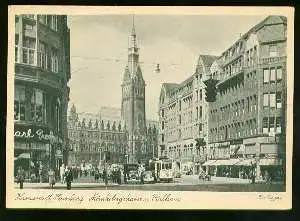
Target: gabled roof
{"x":270,"y":20}
{"x":170,"y":86}
{"x":208,"y":59}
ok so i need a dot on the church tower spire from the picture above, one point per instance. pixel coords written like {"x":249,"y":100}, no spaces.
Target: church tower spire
{"x":133,"y":97}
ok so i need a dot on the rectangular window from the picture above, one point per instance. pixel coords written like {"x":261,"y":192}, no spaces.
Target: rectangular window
{"x":19,"y":103}
{"x":279,"y":74}
{"x":273,"y":75}
{"x":278,"y":100}
{"x":163,"y":125}
{"x":278,"y":125}
{"x":200,"y":95}
{"x":265,"y":125}
{"x":42,"y":54}
{"x":266,"y":100}
{"x":28,"y":50}
{"x":197,"y":113}
{"x":266,"y":75}
{"x":272,"y":124}
{"x":38,"y":106}
{"x":43,"y":19}
{"x":53,"y":24}
{"x":16,"y":48}
{"x":54,"y":60}
{"x":272,"y":100}
{"x":200,"y":112}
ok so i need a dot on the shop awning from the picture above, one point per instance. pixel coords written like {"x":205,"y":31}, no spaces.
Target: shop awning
{"x":270,"y":162}
{"x":209,"y":162}
{"x":24,"y":156}
{"x":244,"y":162}
{"x":228,"y":162}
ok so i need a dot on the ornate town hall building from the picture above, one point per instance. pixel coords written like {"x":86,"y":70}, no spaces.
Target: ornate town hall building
{"x":133,"y":102}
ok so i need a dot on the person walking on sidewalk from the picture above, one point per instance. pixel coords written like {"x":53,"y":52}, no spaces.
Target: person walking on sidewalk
{"x":51,"y":175}
{"x":62,"y":173}
{"x":69,"y":178}
{"x":21,"y":177}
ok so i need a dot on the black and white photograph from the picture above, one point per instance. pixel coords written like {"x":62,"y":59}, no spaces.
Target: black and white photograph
{"x":131,"y":102}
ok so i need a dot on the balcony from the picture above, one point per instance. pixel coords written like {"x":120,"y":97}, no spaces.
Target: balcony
{"x":269,"y":60}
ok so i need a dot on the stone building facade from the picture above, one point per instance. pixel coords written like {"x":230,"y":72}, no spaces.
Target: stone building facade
{"x":247,"y":121}
{"x":245,"y":126}
{"x":182,"y":117}
{"x":92,"y":139}
{"x":41,"y":95}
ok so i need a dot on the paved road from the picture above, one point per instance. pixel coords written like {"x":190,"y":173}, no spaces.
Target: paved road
{"x":186,"y":183}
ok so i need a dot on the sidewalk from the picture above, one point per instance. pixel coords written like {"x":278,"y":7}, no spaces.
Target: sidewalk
{"x":64,"y":185}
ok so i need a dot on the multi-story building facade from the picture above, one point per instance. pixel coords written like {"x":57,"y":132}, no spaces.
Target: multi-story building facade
{"x":42,"y":71}
{"x":94,"y":140}
{"x":182,"y":117}
{"x":247,"y":120}
{"x":245,"y":125}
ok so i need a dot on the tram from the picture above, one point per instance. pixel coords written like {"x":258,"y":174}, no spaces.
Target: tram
{"x":162,"y":168}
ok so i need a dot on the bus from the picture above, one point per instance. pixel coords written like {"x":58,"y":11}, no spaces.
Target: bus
{"x":162,"y":168}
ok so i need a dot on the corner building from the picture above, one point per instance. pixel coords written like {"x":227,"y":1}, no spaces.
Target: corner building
{"x":247,"y":121}
{"x":182,"y":117}
{"x":42,"y":71}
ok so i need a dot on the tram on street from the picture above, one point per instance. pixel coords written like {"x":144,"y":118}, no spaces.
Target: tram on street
{"x":162,"y":168}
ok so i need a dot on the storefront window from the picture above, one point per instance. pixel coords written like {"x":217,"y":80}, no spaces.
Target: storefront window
{"x":19,"y":104}
{"x":38,"y":106}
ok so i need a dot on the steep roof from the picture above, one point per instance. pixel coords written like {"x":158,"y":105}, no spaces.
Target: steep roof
{"x":208,"y":59}
{"x":170,"y":86}
{"x":270,"y":20}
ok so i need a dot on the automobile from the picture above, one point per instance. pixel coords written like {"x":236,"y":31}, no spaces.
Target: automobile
{"x":131,"y":173}
{"x":133,"y":176}
{"x":149,"y":177}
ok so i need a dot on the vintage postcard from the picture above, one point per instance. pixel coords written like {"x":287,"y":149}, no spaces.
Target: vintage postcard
{"x":150,"y":107}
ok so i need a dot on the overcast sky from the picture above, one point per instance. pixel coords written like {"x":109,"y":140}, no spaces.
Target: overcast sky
{"x":99,"y":52}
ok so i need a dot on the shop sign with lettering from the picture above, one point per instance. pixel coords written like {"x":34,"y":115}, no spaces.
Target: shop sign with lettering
{"x":38,"y":134}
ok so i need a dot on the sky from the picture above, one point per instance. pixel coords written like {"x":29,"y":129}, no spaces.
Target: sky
{"x":99,"y":52}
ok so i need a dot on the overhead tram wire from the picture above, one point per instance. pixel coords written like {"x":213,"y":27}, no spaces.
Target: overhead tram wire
{"x":157,"y":65}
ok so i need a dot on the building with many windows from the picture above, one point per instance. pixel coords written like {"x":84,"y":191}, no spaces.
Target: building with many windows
{"x":91,"y":136}
{"x":244,"y":127}
{"x":182,"y":117}
{"x":92,"y":139}
{"x":42,"y":71}
{"x":247,"y":120}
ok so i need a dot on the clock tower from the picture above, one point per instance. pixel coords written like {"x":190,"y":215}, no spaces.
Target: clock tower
{"x":133,"y":101}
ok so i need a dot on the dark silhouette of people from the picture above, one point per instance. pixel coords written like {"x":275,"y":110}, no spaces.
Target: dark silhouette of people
{"x":21,"y":177}
{"x":69,"y":178}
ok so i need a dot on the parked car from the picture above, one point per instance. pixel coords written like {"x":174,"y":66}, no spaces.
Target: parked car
{"x":131,"y":174}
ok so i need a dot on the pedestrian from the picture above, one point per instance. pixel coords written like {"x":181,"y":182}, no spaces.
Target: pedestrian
{"x":62,"y":172}
{"x":69,"y":178}
{"x":21,"y":177}
{"x":51,"y":175}
{"x":105,"y":178}
{"x":41,"y":172}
